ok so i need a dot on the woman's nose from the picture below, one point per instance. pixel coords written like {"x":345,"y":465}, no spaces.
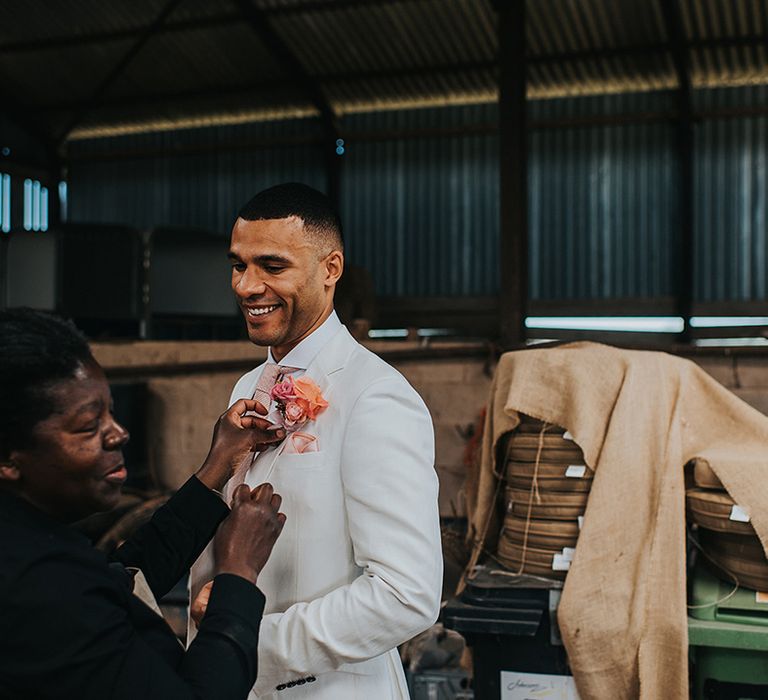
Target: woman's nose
{"x":116,"y":437}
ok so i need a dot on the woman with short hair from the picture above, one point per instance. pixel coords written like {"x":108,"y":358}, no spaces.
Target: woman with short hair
{"x":74,"y":623}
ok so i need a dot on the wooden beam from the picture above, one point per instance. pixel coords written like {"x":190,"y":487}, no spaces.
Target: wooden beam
{"x":118,"y":69}
{"x":513,"y":167}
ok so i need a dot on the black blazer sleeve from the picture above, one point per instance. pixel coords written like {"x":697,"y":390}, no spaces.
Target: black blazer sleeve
{"x":173,"y":539}
{"x":73,"y":631}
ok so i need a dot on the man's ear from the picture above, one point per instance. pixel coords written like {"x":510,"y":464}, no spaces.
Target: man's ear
{"x":334,"y":266}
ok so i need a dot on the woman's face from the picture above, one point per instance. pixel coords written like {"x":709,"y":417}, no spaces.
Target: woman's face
{"x":74,"y":465}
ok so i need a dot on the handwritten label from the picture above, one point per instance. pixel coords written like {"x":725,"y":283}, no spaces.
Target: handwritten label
{"x":575,"y":471}
{"x":560,"y":563}
{"x":567,"y":435}
{"x":739,"y":514}
{"x":516,"y":685}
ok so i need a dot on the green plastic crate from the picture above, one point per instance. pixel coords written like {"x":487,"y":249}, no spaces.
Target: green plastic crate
{"x":728,"y":641}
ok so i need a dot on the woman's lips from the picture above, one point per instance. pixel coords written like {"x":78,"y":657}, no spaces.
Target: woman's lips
{"x":117,"y":475}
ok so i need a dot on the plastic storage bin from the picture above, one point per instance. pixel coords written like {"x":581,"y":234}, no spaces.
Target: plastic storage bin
{"x":728,"y":640}
{"x":510,"y":624}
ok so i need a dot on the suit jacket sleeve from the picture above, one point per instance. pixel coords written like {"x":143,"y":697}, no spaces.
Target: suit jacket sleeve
{"x":390,"y":492}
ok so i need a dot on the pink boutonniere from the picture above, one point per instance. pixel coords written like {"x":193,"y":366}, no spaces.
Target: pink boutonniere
{"x":298,"y":401}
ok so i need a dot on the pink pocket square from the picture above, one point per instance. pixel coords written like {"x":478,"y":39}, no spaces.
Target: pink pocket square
{"x":300,"y":443}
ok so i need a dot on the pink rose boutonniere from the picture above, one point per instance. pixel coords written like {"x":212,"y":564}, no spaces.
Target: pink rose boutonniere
{"x":298,"y":401}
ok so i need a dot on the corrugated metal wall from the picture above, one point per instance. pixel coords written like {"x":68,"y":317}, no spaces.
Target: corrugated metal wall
{"x":731,"y":189}
{"x":422,"y":212}
{"x":200,"y":190}
{"x":602,"y":202}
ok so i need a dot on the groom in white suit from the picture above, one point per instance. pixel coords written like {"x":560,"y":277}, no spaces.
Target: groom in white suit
{"x":358,"y":568}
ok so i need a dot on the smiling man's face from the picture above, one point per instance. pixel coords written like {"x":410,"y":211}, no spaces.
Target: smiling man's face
{"x":283,"y":280}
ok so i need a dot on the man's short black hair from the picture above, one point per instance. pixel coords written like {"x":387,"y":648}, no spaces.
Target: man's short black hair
{"x":37,"y":350}
{"x":296,"y":199}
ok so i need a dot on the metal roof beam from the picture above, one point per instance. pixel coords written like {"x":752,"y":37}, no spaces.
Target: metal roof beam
{"x":259,"y":23}
{"x":408,"y":72}
{"x":284,"y":56}
{"x":118,"y":69}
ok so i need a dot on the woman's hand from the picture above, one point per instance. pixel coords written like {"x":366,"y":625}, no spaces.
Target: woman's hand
{"x":245,"y":539}
{"x":237,"y":434}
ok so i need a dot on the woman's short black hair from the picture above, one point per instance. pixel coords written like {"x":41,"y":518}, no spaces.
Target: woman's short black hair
{"x":37,"y":350}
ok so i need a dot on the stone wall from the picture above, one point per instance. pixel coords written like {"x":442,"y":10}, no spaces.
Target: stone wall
{"x":184,"y":406}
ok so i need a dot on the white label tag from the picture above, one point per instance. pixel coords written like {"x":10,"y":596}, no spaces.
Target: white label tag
{"x":560,"y":563}
{"x":581,"y":521}
{"x":739,"y":514}
{"x":568,"y":552}
{"x":516,"y":685}
{"x":575,"y":471}
{"x":567,"y":435}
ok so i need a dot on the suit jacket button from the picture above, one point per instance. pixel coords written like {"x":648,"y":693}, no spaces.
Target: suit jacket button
{"x":310,"y":679}
{"x":290,"y":684}
{"x":280,"y":687}
{"x":301,"y":681}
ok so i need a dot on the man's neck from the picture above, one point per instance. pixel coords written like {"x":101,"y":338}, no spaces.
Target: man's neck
{"x":278,"y":353}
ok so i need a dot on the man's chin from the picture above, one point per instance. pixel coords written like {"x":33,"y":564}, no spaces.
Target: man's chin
{"x":262,"y":336}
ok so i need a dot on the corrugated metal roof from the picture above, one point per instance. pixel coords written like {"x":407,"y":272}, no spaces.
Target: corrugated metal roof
{"x":364,"y":55}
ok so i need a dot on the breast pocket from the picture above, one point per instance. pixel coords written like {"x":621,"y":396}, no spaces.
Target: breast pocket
{"x":305,"y":461}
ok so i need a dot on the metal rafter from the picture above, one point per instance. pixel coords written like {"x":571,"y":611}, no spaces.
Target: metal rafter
{"x":408,"y":72}
{"x":118,"y":69}
{"x":259,"y":23}
{"x":284,"y":56}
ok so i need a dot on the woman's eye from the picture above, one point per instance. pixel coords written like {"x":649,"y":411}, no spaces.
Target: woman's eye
{"x":89,"y":428}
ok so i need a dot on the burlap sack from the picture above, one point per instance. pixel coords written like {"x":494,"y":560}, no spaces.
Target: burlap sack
{"x":639,"y":417}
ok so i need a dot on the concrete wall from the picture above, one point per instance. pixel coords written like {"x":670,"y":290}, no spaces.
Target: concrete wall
{"x":183,"y":407}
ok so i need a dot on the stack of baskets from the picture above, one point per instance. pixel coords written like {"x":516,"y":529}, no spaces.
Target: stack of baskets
{"x":729,"y":542}
{"x":547,"y":486}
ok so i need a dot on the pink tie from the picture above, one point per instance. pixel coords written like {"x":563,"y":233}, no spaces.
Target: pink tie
{"x":268,"y":379}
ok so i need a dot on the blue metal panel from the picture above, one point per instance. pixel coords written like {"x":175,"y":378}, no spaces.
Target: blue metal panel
{"x":602,"y":203}
{"x":422,"y":213}
{"x":731,"y":187}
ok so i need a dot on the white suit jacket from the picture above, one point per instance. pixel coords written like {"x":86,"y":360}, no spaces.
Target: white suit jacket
{"x":358,"y":567}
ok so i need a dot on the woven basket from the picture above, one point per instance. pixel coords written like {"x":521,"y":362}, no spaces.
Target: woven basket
{"x":551,"y":505}
{"x":549,"y":477}
{"x":537,"y":561}
{"x":712,"y":510}
{"x":542,"y":534}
